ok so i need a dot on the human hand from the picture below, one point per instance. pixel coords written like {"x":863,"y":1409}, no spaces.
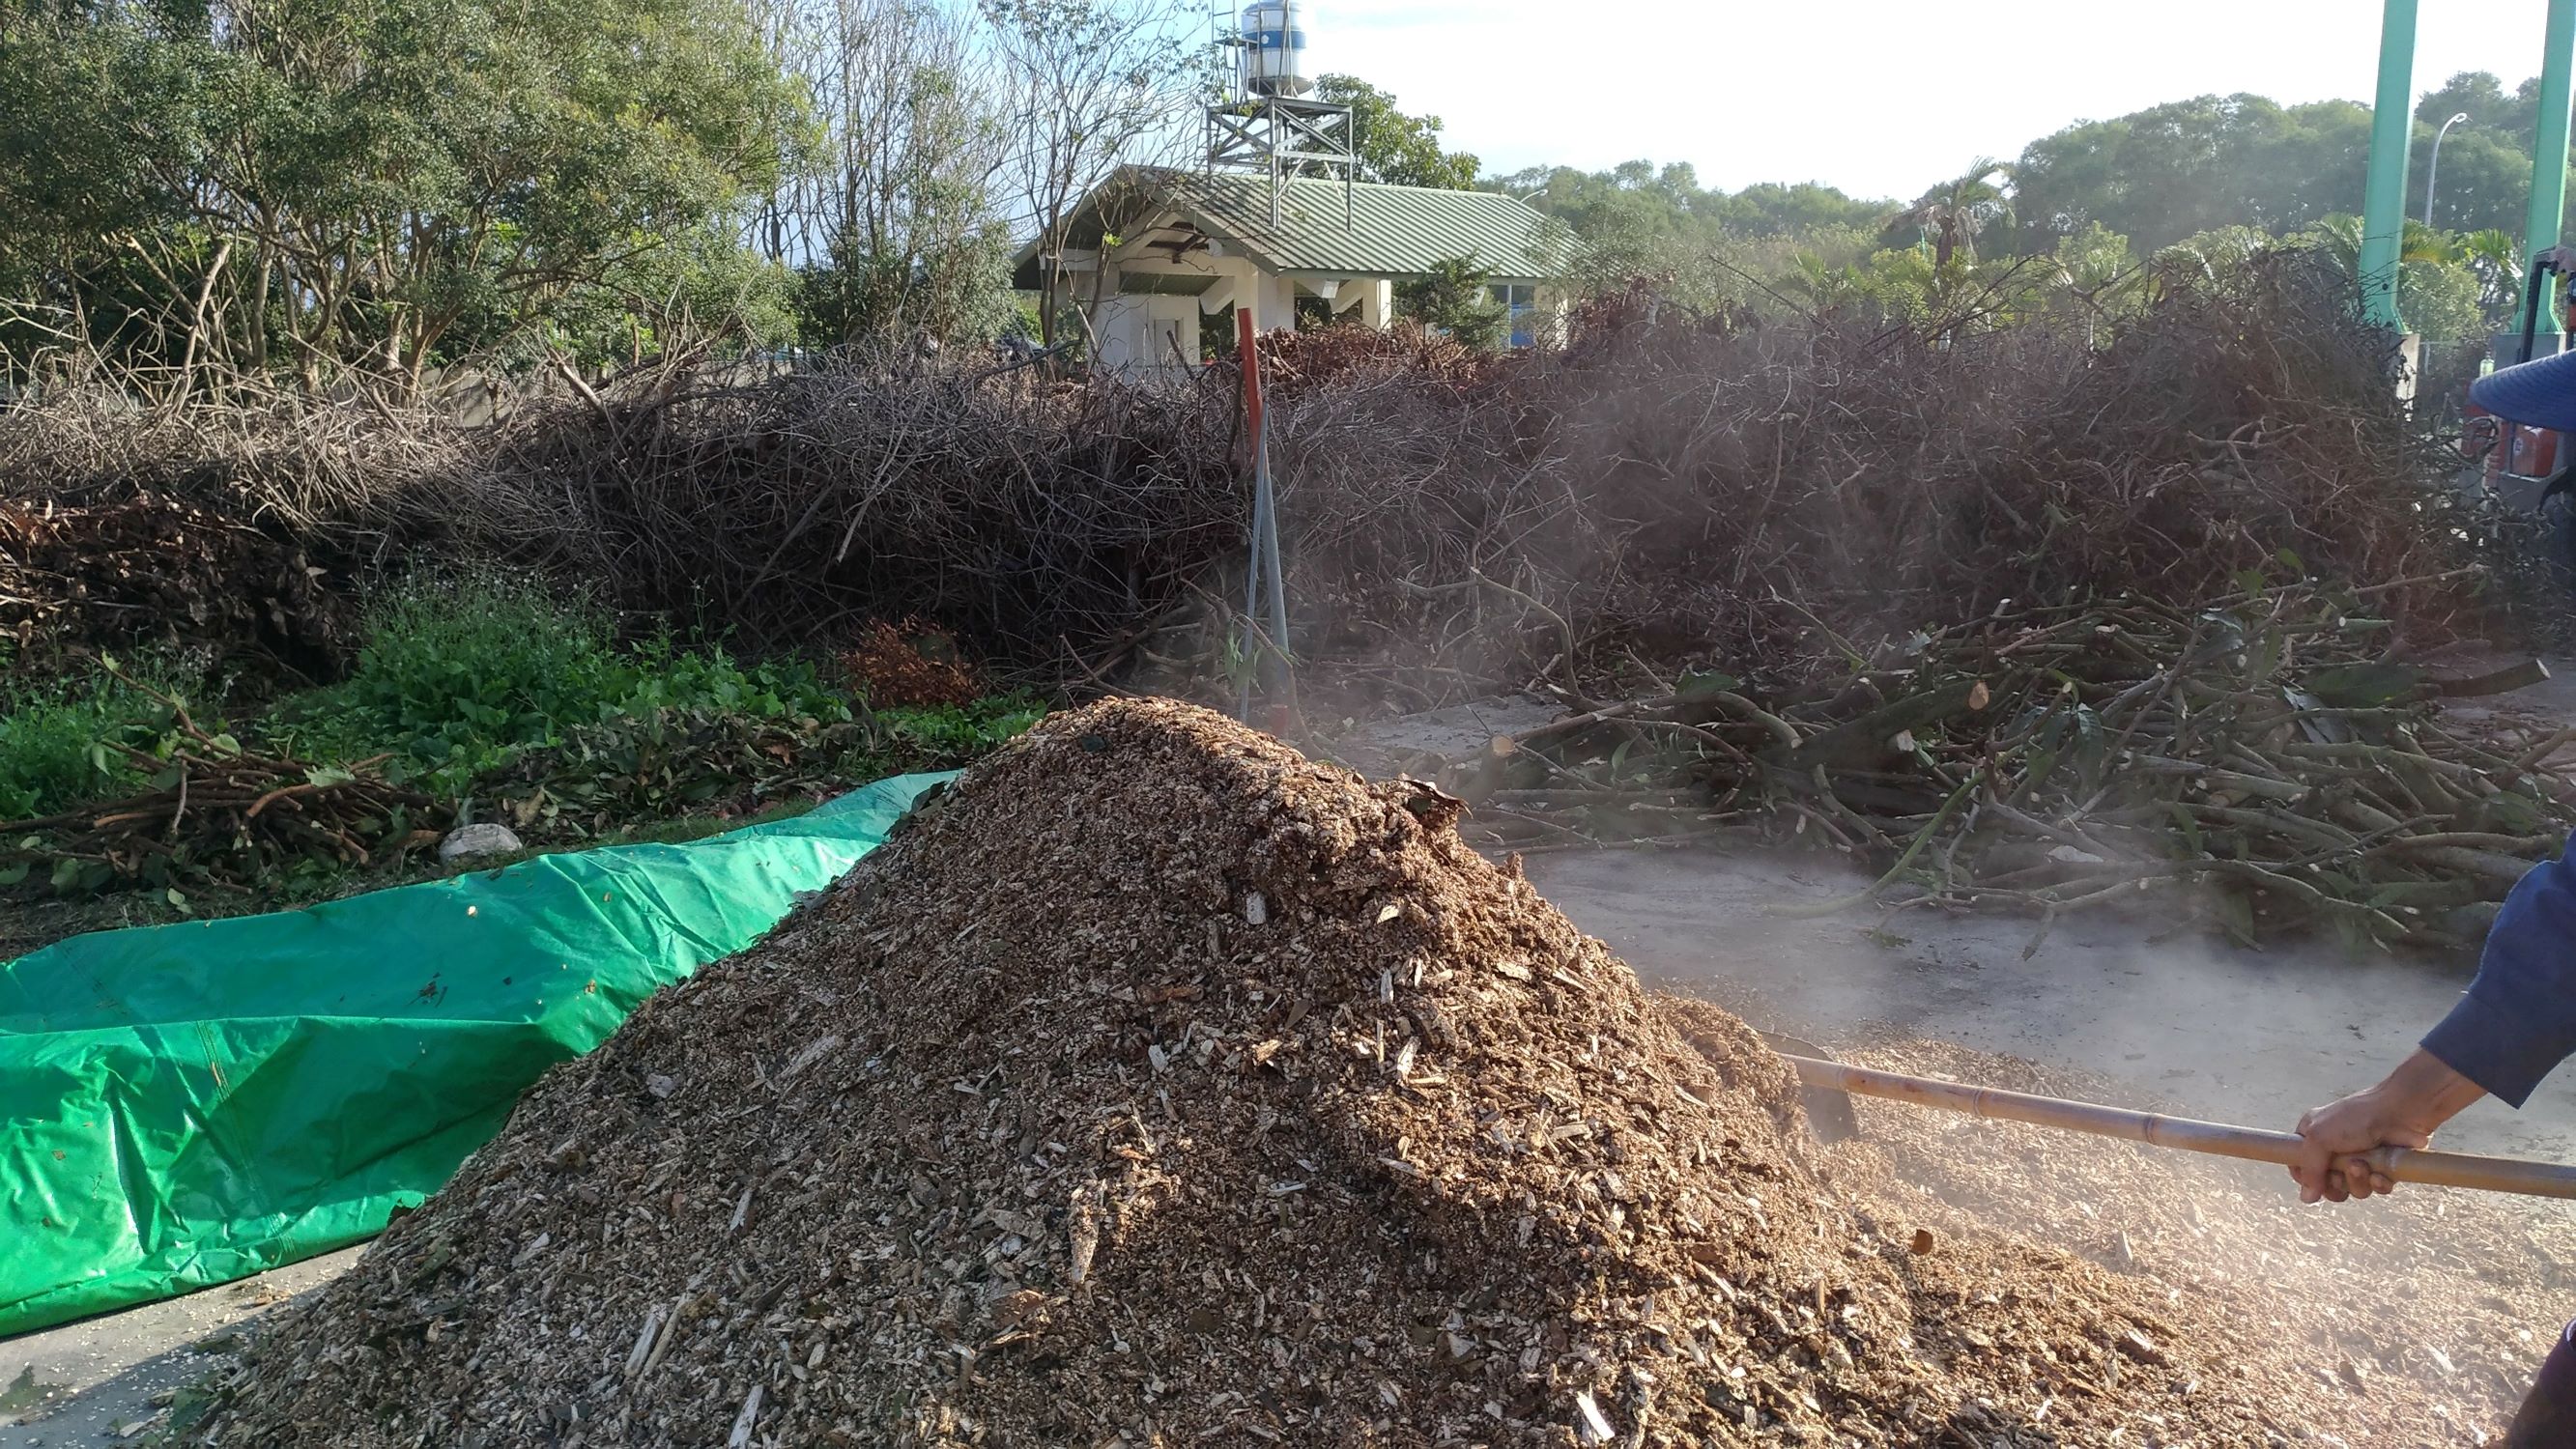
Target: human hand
{"x":2422,"y":1094}
{"x":2331,"y":1165}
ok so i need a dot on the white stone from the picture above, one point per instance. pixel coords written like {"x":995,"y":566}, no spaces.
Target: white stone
{"x":471,"y":842}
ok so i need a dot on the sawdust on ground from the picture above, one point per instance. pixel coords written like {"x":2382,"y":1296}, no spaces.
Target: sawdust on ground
{"x":2444,"y":1302}
{"x":1159,"y":1087}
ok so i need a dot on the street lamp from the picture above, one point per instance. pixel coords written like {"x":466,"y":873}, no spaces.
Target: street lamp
{"x":2433,"y":167}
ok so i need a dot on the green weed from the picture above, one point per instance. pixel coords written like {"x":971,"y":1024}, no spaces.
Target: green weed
{"x":58,"y":743}
{"x":948,"y":735}
{"x":460,"y":676}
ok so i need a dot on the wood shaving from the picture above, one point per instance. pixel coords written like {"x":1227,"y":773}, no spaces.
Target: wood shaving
{"x":1527,"y":1238}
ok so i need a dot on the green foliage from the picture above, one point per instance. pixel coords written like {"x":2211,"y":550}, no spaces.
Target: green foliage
{"x":915,"y":242}
{"x":1951,"y":215}
{"x":691,"y":752}
{"x":59,"y":744}
{"x":2440,"y":300}
{"x":2172,"y":171}
{"x":459,"y":675}
{"x":2186,"y":167}
{"x":1398,"y":149}
{"x":503,"y":699}
{"x":2452,"y":288}
{"x":1705,"y":249}
{"x":49,"y":755}
{"x":1665,"y":208}
{"x":349,"y":182}
{"x":946,"y":736}
{"x":1455,"y":298}
{"x":954,"y":289}
{"x":669,"y":293}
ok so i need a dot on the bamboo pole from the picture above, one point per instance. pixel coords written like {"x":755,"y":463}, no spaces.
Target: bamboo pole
{"x":2440,"y":1169}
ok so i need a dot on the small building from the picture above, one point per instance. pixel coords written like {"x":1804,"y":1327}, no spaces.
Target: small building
{"x":1177,"y":246}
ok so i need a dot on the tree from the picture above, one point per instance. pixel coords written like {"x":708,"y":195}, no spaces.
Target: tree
{"x":357,"y":184}
{"x":2474,"y":93}
{"x":1456,"y":297}
{"x":696,"y":287}
{"x":2496,"y":261}
{"x":1396,"y":148}
{"x":2094,"y":275}
{"x":1954,"y":212}
{"x":1768,"y":209}
{"x":1087,"y":87}
{"x":2172,"y":171}
{"x":899,"y":224}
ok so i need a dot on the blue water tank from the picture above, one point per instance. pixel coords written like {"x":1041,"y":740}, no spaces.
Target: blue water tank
{"x":1274,"y":49}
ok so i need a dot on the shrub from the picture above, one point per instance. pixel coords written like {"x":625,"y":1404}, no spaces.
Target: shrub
{"x":459,"y":674}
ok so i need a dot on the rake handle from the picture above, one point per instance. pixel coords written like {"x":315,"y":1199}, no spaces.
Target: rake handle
{"x":2252,"y":1144}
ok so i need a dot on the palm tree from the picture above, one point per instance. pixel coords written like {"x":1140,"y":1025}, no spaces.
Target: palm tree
{"x":1952,"y":213}
{"x":1825,"y":289}
{"x":2497,"y":260}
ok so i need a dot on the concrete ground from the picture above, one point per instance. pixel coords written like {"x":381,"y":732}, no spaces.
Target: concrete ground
{"x":109,"y":1377}
{"x":2185,"y":1020}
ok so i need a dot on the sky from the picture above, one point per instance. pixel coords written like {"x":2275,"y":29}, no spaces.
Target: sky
{"x":1881,"y":99}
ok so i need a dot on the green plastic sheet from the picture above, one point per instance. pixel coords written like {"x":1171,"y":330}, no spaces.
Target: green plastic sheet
{"x":188,"y":1104}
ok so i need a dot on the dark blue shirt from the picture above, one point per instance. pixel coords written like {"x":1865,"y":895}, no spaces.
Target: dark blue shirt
{"x":2519,"y":1018}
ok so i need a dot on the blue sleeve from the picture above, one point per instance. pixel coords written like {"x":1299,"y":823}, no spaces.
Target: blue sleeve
{"x":2518,"y":1019}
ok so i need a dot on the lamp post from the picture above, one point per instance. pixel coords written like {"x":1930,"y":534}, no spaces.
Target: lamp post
{"x":2433,"y":165}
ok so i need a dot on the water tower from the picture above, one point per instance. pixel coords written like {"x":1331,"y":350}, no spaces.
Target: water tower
{"x":1265,"y":124}
{"x":1274,"y":49}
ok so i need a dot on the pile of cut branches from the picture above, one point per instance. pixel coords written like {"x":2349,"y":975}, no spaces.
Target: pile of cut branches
{"x":217,"y":812}
{"x":80,"y":578}
{"x":1672,"y":487}
{"x":663,"y":763}
{"x":1035,"y":520}
{"x":2260,"y":757}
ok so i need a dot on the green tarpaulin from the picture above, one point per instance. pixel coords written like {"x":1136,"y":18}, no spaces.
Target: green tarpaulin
{"x":183,"y":1105}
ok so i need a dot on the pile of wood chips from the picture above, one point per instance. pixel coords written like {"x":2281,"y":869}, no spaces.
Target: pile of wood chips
{"x":1157,"y":1086}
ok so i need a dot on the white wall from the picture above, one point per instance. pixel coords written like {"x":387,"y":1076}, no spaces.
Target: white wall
{"x":1139,"y":334}
{"x":1148,"y":335}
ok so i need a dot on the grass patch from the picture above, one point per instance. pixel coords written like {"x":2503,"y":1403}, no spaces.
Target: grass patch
{"x":499,"y":698}
{"x":459,"y":675}
{"x":58,"y":741}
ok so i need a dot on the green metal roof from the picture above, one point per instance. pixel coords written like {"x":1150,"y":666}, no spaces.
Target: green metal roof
{"x":1398,"y":231}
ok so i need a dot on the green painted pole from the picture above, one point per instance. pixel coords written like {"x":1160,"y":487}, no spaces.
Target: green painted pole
{"x":2383,"y":202}
{"x":2549,"y":146}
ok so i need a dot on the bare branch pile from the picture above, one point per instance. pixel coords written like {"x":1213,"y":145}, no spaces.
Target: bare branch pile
{"x":1033,"y":519}
{"x":2260,"y":758}
{"x":218,"y":812}
{"x":77,"y":579}
{"x":1676,"y":489}
{"x":1667,"y":486}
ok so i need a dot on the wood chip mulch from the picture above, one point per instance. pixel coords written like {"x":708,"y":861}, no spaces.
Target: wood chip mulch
{"x":1156,"y":1086}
